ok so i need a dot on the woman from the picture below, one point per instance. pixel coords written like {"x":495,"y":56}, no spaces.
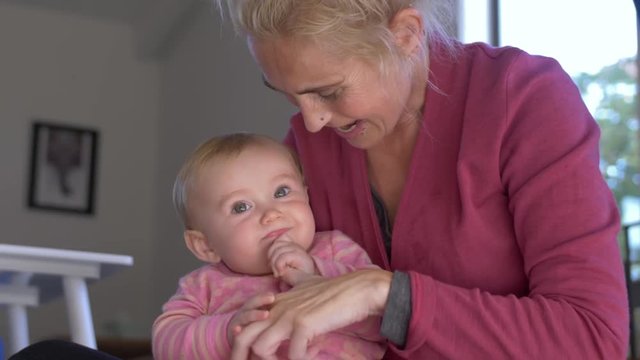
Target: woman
{"x":468,"y":173}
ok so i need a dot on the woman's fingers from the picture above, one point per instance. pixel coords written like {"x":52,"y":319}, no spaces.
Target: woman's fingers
{"x":318,"y":306}
{"x":314,"y":307}
{"x":265,"y":347}
{"x":299,"y":342}
{"x":243,"y":344}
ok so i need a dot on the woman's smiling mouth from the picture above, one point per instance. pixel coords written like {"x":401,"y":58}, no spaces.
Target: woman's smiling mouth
{"x":347,"y":128}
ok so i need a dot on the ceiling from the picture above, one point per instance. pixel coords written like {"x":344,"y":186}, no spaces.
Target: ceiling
{"x":111,"y":10}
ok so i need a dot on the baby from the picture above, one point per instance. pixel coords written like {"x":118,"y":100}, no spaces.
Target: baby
{"x":246,"y":213}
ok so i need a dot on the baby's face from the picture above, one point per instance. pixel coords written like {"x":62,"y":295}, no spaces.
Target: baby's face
{"x":243,"y":204}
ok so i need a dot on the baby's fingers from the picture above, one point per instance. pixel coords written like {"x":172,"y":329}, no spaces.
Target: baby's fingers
{"x":242,"y":319}
{"x":294,"y":276}
{"x":278,"y":247}
{"x":236,"y":330}
{"x":247,"y":317}
{"x":258,"y":301}
{"x":283,"y":260}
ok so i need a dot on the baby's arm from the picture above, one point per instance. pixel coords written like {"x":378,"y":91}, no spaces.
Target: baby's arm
{"x":202,"y":319}
{"x":184,"y":331}
{"x":335,"y":254}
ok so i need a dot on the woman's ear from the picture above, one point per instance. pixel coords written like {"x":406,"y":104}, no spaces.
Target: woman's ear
{"x":199,"y":246}
{"x":408,"y":28}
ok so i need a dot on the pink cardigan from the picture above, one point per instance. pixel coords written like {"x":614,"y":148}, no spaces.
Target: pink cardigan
{"x":505,"y":226}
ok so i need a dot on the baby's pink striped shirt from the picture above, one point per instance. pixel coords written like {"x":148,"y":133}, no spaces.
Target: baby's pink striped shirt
{"x":194,"y":321}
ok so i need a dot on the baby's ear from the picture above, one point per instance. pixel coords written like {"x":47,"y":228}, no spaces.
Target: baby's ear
{"x":199,"y":246}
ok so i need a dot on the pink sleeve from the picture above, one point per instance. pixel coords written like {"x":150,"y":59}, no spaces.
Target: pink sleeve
{"x":185,"y":331}
{"x":340,"y":345}
{"x":335,"y":254}
{"x":565,"y":221}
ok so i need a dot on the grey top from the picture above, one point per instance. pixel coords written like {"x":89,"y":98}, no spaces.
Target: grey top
{"x":397,"y":312}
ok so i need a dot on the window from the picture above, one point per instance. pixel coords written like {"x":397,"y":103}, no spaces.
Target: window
{"x":596,"y":43}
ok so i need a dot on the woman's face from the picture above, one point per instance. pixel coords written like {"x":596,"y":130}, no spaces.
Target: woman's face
{"x":347,"y":95}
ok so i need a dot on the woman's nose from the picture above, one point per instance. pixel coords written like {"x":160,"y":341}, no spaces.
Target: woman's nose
{"x":315,"y":118}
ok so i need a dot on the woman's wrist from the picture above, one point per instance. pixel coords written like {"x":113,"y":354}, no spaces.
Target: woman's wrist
{"x":380,"y":281}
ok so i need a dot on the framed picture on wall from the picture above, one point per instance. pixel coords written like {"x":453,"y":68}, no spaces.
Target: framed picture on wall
{"x":63,"y":168}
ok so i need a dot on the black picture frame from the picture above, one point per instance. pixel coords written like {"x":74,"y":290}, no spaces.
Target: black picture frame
{"x":63,"y":168}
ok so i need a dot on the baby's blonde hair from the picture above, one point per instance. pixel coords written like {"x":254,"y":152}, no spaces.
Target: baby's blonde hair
{"x":225,"y":146}
{"x":352,"y":27}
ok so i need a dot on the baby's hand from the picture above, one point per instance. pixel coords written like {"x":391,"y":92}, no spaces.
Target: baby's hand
{"x":290,"y":262}
{"x":249,"y":312}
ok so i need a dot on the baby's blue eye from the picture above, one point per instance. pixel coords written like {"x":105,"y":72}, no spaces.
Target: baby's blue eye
{"x":240,"y":207}
{"x":282,"y":191}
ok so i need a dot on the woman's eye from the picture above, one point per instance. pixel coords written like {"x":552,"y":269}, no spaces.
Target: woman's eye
{"x":240,"y":207}
{"x":282,"y":191}
{"x":333,"y":95}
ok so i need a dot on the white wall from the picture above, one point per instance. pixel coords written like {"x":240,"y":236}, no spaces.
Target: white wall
{"x":210,"y":86}
{"x":82,"y":72}
{"x":150,"y":116}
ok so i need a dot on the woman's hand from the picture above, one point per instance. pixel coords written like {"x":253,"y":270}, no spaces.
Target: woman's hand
{"x":316,"y":306}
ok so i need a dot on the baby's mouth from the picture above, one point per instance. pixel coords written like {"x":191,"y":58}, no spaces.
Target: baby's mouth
{"x":276,"y":234}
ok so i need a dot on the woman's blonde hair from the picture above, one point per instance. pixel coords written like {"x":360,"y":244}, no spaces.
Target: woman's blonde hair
{"x":352,"y":27}
{"x":225,"y":146}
